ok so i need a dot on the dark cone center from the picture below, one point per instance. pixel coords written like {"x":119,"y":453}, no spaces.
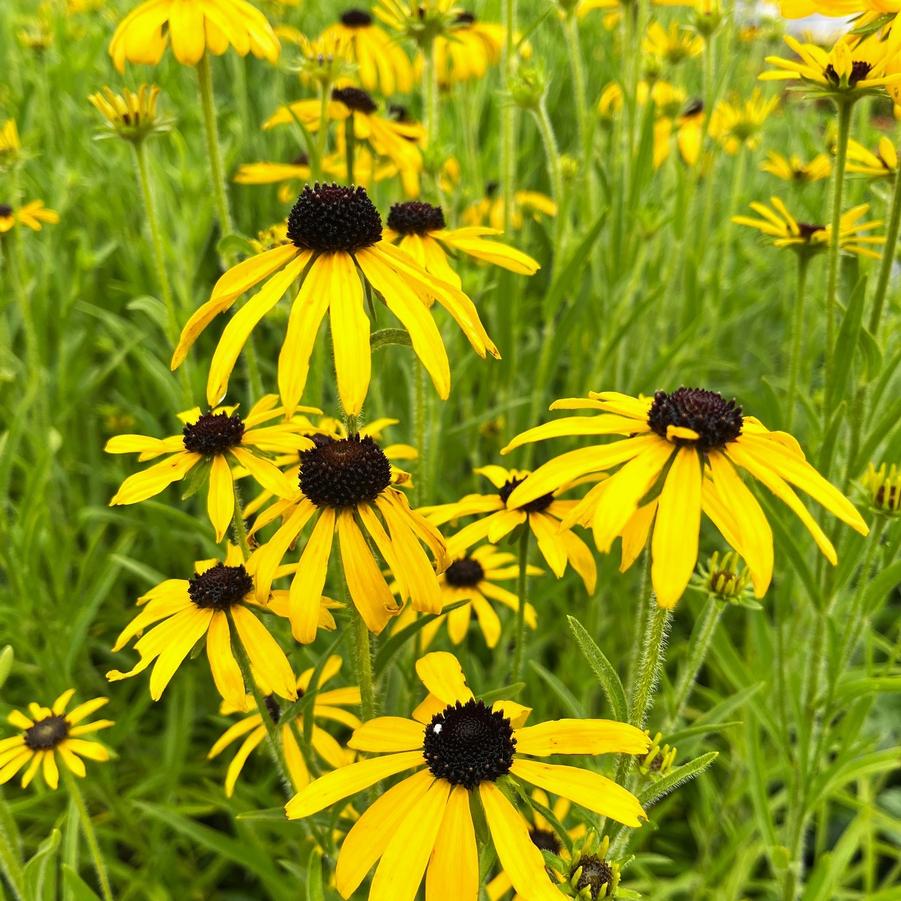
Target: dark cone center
{"x":596,"y":873}
{"x":415,"y":218}
{"x":469,"y":743}
{"x":465,"y":18}
{"x":545,"y":840}
{"x":716,"y":420}
{"x":354,"y":98}
{"x":333,"y":218}
{"x":464,"y":573}
{"x":344,"y":472}
{"x":213,"y":433}
{"x":220,"y":587}
{"x":807,"y":230}
{"x":47,"y":733}
{"x":356,"y":18}
{"x":5,"y":211}
{"x":859,"y":71}
{"x":536,"y":506}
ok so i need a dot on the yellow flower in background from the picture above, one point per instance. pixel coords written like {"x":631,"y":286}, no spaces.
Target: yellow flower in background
{"x":804,"y":237}
{"x":183,"y":611}
{"x":851,"y":66}
{"x":10,"y":147}
{"x":671,"y":45}
{"x":737,"y":122}
{"x":884,"y":162}
{"x":498,"y":518}
{"x":471,"y":578}
{"x":50,"y":737}
{"x":217,"y":441}
{"x":419,"y":229}
{"x":685,"y":447}
{"x":346,"y":491}
{"x":381,"y":62}
{"x":192,"y":28}
{"x":463,"y":750}
{"x":490,"y":209}
{"x":883,"y":487}
{"x":793,"y":168}
{"x":327,"y":705}
{"x":324,"y":60}
{"x":467,"y":52}
{"x":33,"y":215}
{"x":610,"y":102}
{"x":131,"y":115}
{"x":336,"y":246}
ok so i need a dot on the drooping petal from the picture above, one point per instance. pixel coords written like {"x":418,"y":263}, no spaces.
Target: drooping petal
{"x":223,"y":666}
{"x":454,"y":868}
{"x":266,"y":655}
{"x":573,"y":736}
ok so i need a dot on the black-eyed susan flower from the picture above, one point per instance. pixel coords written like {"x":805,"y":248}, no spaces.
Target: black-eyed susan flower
{"x":794,"y":169}
{"x":50,"y":737}
{"x":10,"y":146}
{"x":463,"y":751}
{"x":33,"y":215}
{"x":590,"y":875}
{"x":471,"y":582}
{"x":805,"y":237}
{"x":419,"y":229}
{"x":180,"y":612}
{"x":882,"y":485}
{"x":327,"y":705}
{"x":882,"y":163}
{"x":218,"y":441}
{"x":671,"y":45}
{"x":381,"y":61}
{"x":469,"y":50}
{"x":498,"y":518}
{"x":737,"y":122}
{"x":346,"y":491}
{"x":338,"y":253}
{"x":131,"y":115}
{"x":725,"y":577}
{"x":489,"y":210}
{"x":685,"y":448}
{"x":192,"y":28}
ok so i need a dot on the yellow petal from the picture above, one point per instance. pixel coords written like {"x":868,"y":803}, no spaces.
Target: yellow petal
{"x":309,"y":580}
{"x":221,"y":496}
{"x":387,"y":734}
{"x":572,"y":736}
{"x":223,"y":666}
{"x":442,"y":675}
{"x":151,"y":481}
{"x":265,"y":654}
{"x":350,"y":334}
{"x":454,"y":868}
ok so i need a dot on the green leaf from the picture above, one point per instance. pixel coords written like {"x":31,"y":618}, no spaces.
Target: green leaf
{"x":564,"y":283}
{"x":387,"y":651}
{"x":856,"y":688}
{"x":233,"y":246}
{"x":385,"y":336}
{"x":315,"y":889}
{"x":676,"y":777}
{"x":40,"y":871}
{"x":603,"y":669}
{"x":78,"y":888}
{"x":566,"y":697}
{"x":505,"y":692}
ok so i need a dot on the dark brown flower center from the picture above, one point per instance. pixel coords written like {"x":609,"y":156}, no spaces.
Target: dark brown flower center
{"x":344,"y":472}
{"x":5,"y":211}
{"x":356,"y":18}
{"x":465,"y":18}
{"x":213,"y":433}
{"x":464,"y":573}
{"x":334,"y":218}
{"x":47,"y":733}
{"x":220,"y":587}
{"x":807,"y":230}
{"x":355,"y":99}
{"x":859,"y":71}
{"x":596,"y":873}
{"x":413,"y":217}
{"x":536,"y":506}
{"x":545,"y":840}
{"x":716,"y":420}
{"x":469,"y":743}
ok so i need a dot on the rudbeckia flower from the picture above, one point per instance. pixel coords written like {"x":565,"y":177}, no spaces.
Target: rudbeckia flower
{"x":685,"y":448}
{"x":463,"y":751}
{"x":883,"y":488}
{"x":131,"y":115}
{"x":10,"y":148}
{"x":50,"y":737}
{"x":882,"y":163}
{"x":671,"y":45}
{"x":32,"y":215}
{"x":490,"y":209}
{"x":420,"y":230}
{"x":182,"y":611}
{"x":498,"y":518}
{"x":338,"y":253}
{"x":737,"y":122}
{"x":806,"y":237}
{"x":327,"y":704}
{"x":793,"y":168}
{"x":381,"y":63}
{"x":218,"y":441}
{"x":472,"y":579}
{"x":345,"y":489}
{"x":193,"y":27}
{"x":468,"y":50}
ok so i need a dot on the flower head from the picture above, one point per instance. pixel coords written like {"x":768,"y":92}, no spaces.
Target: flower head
{"x":737,"y":122}
{"x":882,"y":485}
{"x":131,"y":115}
{"x":490,"y":209}
{"x":462,"y":749}
{"x":881,"y":164}
{"x":794,"y":169}
{"x":671,"y":45}
{"x":10,"y":146}
{"x":681,"y":458}
{"x":49,"y":737}
{"x":33,"y":215}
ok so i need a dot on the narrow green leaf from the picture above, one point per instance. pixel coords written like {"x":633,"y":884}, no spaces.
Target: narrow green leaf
{"x":315,"y":889}
{"x":78,"y":888}
{"x":40,"y":871}
{"x":384,"y":337}
{"x":603,"y":669}
{"x":676,"y":777}
{"x":387,"y":651}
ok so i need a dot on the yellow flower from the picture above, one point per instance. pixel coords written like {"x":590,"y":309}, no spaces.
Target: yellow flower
{"x":490,"y":209}
{"x":192,"y":27}
{"x":131,"y":115}
{"x":686,"y":447}
{"x":51,"y":736}
{"x":212,"y":443}
{"x":345,"y":488}
{"x":883,"y":487}
{"x":326,"y":705}
{"x":381,"y":63}
{"x":336,"y":237}
{"x":850,"y":67}
{"x":882,"y":163}
{"x":182,"y":611}
{"x":463,"y":751}
{"x":419,"y":229}
{"x":737,"y":123}
{"x":324,"y":60}
{"x":10,"y":148}
{"x":671,"y":45}
{"x":542,"y":515}
{"x":471,"y":579}
{"x":793,"y":168}
{"x":804,"y":237}
{"x":32,"y":215}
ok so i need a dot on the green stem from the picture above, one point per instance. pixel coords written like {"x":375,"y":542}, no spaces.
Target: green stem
{"x":888,"y":256}
{"x":652,"y":654}
{"x":584,"y":117}
{"x":508,"y":115}
{"x":419,"y":425}
{"x":430,"y":94}
{"x":697,"y":654}
{"x":363,"y":664}
{"x":838,"y":182}
{"x":214,"y":152}
{"x":552,"y":159}
{"x":522,"y":585}
{"x":322,"y":134}
{"x":349,"y":147}
{"x":87,"y":828}
{"x":797,"y":339}
{"x":239,"y":527}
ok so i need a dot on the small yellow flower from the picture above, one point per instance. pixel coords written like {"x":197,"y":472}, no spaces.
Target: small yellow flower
{"x":793,"y":168}
{"x":737,"y":123}
{"x":50,"y":737}
{"x":882,"y":163}
{"x":32,"y":215}
{"x":726,"y":578}
{"x":131,"y":115}
{"x":671,"y":45}
{"x":469,"y":49}
{"x":490,"y":209}
{"x":10,"y":147}
{"x":883,"y":488}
